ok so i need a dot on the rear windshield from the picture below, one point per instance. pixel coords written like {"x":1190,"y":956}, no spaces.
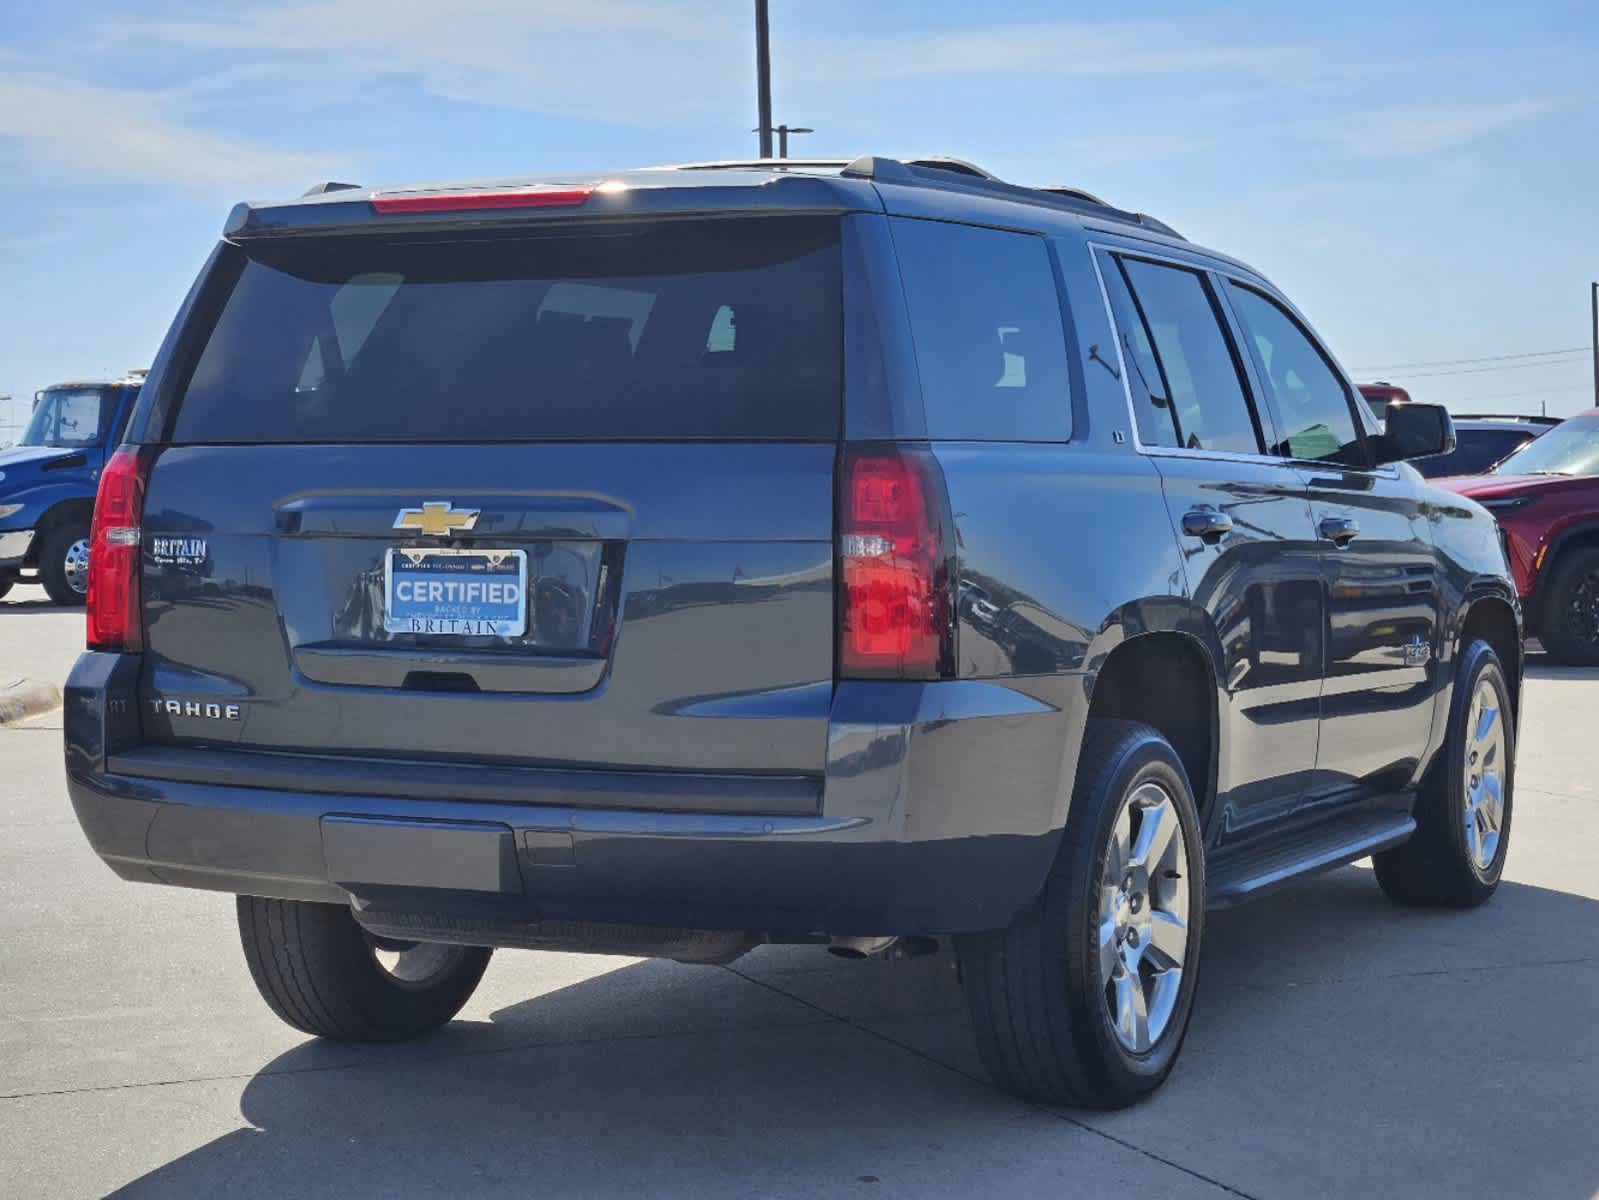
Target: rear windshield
{"x":711,"y":330}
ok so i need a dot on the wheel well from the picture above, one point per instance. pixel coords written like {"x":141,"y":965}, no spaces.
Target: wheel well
{"x":1165,"y":680}
{"x":1493,"y":620}
{"x":65,"y":513}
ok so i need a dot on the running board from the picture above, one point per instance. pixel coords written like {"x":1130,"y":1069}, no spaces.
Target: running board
{"x":1254,"y":868}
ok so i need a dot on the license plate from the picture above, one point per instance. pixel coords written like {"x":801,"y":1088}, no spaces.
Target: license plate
{"x":466,"y":593}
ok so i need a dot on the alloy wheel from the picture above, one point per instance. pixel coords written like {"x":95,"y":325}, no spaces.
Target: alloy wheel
{"x":1583,"y":609}
{"x":1144,"y":902}
{"x":1484,"y":774}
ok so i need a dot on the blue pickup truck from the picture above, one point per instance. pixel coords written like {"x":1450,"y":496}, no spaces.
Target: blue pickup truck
{"x":48,"y":480}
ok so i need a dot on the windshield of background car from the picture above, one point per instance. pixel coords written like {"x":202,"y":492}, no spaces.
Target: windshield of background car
{"x":728,"y":329}
{"x":1569,"y":449}
{"x":71,"y":418}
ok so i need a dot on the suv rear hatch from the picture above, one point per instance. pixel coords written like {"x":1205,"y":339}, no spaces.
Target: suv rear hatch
{"x":557,"y":495}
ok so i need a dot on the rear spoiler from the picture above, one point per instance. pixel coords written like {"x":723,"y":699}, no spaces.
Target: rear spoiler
{"x":343,"y":208}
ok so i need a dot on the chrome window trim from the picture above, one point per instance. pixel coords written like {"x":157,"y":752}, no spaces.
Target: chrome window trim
{"x":1351,"y":389}
{"x":1121,"y":363}
{"x":1230,"y":275}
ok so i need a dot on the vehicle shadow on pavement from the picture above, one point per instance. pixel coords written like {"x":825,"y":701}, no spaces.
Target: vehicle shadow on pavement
{"x":16,"y":608}
{"x":1340,"y":1046}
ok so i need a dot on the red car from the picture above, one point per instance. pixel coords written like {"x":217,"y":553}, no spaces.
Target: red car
{"x":1546,"y":498}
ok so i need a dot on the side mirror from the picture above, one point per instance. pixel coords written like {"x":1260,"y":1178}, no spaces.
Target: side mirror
{"x":1415,"y":431}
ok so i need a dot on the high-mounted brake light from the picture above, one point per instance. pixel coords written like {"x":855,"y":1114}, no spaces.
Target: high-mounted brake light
{"x":538,"y":196}
{"x":114,"y":619}
{"x":896,"y":611}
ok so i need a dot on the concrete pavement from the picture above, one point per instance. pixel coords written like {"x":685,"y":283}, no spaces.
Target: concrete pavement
{"x":1341,"y":1046}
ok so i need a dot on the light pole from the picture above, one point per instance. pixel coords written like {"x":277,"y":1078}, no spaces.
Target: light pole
{"x":763,"y":88}
{"x":1594,"y":299}
{"x":763,"y":77}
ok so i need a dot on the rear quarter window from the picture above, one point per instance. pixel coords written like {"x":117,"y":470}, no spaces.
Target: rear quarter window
{"x":990,"y":334}
{"x":724,"y":330}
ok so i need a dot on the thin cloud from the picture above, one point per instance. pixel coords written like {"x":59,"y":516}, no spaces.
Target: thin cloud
{"x":130,"y":135}
{"x":1407,"y":132}
{"x":632,"y":63}
{"x":1073,"y":49}
{"x":646,"y":64}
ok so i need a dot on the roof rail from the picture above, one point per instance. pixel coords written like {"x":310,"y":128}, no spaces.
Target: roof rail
{"x":942,"y":162}
{"x":942,"y":171}
{"x":954,"y":172}
{"x":744,"y":164}
{"x":1061,"y":189}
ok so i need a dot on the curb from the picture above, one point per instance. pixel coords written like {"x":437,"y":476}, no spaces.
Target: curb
{"x":24,"y":698}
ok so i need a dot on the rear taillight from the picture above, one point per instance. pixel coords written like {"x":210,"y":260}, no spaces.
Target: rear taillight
{"x":114,"y":621}
{"x":895,"y":613}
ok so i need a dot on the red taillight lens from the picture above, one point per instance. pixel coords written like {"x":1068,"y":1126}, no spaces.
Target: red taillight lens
{"x":114,"y":620}
{"x":538,"y":196}
{"x":894,"y":571}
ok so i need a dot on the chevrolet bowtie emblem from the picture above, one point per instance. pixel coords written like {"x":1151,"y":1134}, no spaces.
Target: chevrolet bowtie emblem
{"x":436,"y":517}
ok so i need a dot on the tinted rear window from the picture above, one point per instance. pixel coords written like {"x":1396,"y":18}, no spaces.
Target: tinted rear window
{"x":990,"y":337}
{"x":711,"y":330}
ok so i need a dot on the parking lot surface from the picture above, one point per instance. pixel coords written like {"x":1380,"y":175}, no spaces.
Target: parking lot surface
{"x":1340,"y":1047}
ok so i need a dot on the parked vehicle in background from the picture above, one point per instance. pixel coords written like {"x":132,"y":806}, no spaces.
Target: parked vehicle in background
{"x":1481,"y":441}
{"x":48,"y":481}
{"x":1381,"y":394}
{"x":1546,"y":499}
{"x":834,"y":553}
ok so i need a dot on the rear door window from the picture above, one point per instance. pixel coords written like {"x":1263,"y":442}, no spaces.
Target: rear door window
{"x":721,"y":330}
{"x":990,"y":335}
{"x":1184,"y":377}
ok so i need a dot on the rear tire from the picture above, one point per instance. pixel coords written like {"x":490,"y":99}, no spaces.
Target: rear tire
{"x":320,"y":972}
{"x":1465,"y":800}
{"x":1056,"y":1011}
{"x":64,"y":564}
{"x":1570,"y":625}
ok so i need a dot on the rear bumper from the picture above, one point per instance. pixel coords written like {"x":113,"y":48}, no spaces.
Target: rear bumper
{"x":14,"y":546}
{"x":940,"y":812}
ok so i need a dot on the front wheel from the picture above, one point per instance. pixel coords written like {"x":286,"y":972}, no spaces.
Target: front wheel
{"x":1085,"y":998}
{"x":1570,"y":630}
{"x":1457,"y":854}
{"x":323,"y":974}
{"x":6,"y":584}
{"x":64,"y":563}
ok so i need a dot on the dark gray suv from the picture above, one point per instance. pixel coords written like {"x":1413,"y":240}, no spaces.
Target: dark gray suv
{"x":857,"y":554}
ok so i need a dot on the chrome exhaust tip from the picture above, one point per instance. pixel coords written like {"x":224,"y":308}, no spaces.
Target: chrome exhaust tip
{"x":860,"y":947}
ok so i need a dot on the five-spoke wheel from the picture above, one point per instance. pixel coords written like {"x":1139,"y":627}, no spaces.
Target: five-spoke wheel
{"x":1143,"y":917}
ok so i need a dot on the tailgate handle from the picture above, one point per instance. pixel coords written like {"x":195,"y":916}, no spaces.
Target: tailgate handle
{"x":447,"y":671}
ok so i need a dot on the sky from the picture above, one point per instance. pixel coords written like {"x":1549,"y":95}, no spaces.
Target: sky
{"x":1419,"y":177}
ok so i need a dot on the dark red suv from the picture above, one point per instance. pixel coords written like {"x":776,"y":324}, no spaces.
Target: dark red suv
{"x":1546,"y":498}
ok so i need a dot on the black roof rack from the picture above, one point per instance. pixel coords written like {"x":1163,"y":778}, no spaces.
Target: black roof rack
{"x":944,"y":171}
{"x":947,"y":172}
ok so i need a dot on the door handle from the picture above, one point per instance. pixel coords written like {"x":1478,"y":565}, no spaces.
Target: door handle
{"x":1340,"y":531}
{"x":1207,"y":524}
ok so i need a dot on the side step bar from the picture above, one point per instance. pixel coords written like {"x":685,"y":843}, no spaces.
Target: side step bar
{"x":1253,"y":868}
